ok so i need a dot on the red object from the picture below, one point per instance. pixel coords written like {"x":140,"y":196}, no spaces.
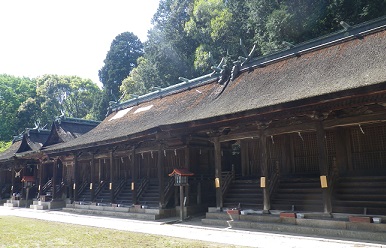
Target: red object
{"x":287,"y":215}
{"x":28,"y":179}
{"x":361,"y":219}
{"x":233,"y":211}
{"x":181,"y":172}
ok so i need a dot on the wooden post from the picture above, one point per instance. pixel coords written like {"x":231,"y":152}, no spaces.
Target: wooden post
{"x":92,"y":179}
{"x":160,"y":168}
{"x":182,"y":203}
{"x":13,"y":178}
{"x":218,"y":171}
{"x":323,"y":164}
{"x":244,"y":158}
{"x":111,"y":186}
{"x":133,"y":177}
{"x":198,"y":193}
{"x":264,"y":172}
{"x":40,"y":188}
{"x":187,"y":166}
{"x":75,"y":176}
{"x":54,"y":173}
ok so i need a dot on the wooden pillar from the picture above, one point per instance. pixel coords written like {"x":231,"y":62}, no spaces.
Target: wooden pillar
{"x":323,"y":164}
{"x":244,"y":158}
{"x":218,"y":172}
{"x":54,"y":173}
{"x":13,"y":178}
{"x":187,"y":166}
{"x":182,"y":203}
{"x":199,"y":193}
{"x":40,"y":188}
{"x":111,"y":185}
{"x":160,"y":169}
{"x":75,"y":177}
{"x":133,"y":176}
{"x":264,"y":172}
{"x":92,"y":179}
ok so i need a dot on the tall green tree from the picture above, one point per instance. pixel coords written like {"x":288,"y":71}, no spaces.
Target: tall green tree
{"x":56,"y":95}
{"x":122,"y":57}
{"x":13,"y":92}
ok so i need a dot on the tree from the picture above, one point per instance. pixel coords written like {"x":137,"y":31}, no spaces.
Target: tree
{"x":122,"y":57}
{"x":71,"y":96}
{"x":13,"y":91}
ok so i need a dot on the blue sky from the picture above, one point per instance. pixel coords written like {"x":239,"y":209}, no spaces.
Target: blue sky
{"x":66,"y":37}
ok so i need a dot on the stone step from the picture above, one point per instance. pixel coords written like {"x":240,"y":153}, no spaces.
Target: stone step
{"x":323,"y":228}
{"x":313,"y":229}
{"x":140,"y":216}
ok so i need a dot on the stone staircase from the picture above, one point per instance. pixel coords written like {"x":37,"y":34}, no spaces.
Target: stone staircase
{"x":360,"y":195}
{"x":299,"y":194}
{"x":245,"y":194}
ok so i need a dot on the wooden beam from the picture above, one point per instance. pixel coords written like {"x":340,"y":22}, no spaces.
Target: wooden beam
{"x":355,"y":120}
{"x":309,"y":126}
{"x":239,"y":136}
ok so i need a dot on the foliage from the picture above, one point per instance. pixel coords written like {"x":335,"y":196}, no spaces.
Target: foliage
{"x":168,"y":51}
{"x":4,"y":145}
{"x":122,"y":57}
{"x":71,"y":96}
{"x":13,"y":92}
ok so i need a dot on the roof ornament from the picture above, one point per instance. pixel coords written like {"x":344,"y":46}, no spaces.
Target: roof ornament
{"x":241,"y":60}
{"x":345,"y":25}
{"x":288,"y":45}
{"x":248,"y":56}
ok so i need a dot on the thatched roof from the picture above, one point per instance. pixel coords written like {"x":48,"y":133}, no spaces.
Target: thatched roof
{"x":31,"y":140}
{"x":338,"y":66}
{"x":65,"y":129}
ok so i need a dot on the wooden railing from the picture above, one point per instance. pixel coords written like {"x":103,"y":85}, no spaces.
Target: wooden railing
{"x":120,"y":186}
{"x":227,"y":177}
{"x":142,"y":187}
{"x":333,"y":174}
{"x":169,"y":190}
{"x":5,"y":188}
{"x":99,"y":188}
{"x":82,"y":187}
{"x":46,"y":186}
{"x":274,"y":175}
{"x":59,"y":189}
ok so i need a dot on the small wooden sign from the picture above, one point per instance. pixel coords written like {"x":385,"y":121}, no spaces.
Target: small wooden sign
{"x":217,"y":182}
{"x":323,"y":181}
{"x":262,"y":182}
